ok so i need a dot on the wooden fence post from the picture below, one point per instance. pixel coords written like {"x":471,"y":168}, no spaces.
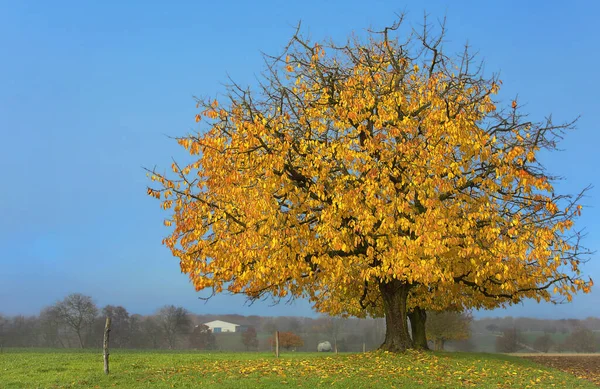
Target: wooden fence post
{"x":364,"y":347}
{"x":106,"y":334}
{"x":277,"y":344}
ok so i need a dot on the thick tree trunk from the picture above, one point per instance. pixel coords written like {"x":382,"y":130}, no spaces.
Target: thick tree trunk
{"x":418,"y":318}
{"x":394,"y":294}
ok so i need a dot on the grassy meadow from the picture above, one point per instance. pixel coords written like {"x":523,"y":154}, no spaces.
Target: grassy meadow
{"x":44,"y":368}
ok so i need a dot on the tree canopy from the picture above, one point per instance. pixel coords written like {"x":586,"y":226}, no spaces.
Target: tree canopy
{"x":371,"y":177}
{"x":78,"y":312}
{"x":288,"y":340}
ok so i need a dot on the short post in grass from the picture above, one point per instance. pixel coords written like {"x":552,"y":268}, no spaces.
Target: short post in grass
{"x":106,"y":333}
{"x":277,"y":344}
{"x":364,"y":347}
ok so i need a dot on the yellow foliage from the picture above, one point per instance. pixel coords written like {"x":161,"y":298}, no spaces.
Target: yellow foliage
{"x":367,"y":167}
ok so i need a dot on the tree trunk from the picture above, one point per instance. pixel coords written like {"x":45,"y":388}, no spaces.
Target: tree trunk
{"x":394,"y":294}
{"x":60,"y":341}
{"x":79,"y":337}
{"x":439,"y":344}
{"x":171,"y":340}
{"x":418,"y":318}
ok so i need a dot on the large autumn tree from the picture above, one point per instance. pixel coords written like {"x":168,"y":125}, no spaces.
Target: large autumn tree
{"x":360,"y":174}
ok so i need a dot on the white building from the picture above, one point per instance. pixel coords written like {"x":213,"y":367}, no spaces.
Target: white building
{"x":217,"y":326}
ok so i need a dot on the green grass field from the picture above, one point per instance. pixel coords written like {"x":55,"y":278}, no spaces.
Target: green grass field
{"x":35,"y":368}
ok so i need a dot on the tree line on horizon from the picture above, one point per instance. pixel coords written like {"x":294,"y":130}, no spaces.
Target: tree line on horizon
{"x":77,"y":322}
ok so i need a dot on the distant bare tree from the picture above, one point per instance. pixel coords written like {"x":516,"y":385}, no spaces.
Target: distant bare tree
{"x":22,"y":331}
{"x":269,"y":326}
{"x":78,"y":312}
{"x":509,"y":342}
{"x":294,"y":324}
{"x":492,"y":327}
{"x":543,"y":343}
{"x":174,"y":321}
{"x":581,"y":340}
{"x":51,"y":325}
{"x":150,"y":334}
{"x":332,"y":326}
{"x":335,"y":327}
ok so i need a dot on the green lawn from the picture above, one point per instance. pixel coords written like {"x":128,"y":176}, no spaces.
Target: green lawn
{"x":35,"y":368}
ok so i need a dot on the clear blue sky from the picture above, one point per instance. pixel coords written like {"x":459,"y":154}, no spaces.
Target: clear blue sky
{"x":90,"y":90}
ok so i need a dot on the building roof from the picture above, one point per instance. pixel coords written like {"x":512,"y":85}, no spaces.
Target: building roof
{"x":220,"y":323}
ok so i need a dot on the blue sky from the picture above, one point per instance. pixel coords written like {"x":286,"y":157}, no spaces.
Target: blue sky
{"x":89,"y":92}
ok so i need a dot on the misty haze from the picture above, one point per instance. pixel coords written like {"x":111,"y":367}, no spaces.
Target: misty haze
{"x":334,"y":194}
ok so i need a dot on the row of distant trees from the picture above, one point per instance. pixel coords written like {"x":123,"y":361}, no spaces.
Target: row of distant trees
{"x":76,"y":321}
{"x":524,"y":324}
{"x":580,"y":340}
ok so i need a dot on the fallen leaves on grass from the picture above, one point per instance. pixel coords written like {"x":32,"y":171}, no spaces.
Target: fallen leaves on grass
{"x":374,"y":369}
{"x":586,"y":367}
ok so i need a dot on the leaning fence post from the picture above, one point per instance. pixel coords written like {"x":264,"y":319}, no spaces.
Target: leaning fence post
{"x":106,"y":333}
